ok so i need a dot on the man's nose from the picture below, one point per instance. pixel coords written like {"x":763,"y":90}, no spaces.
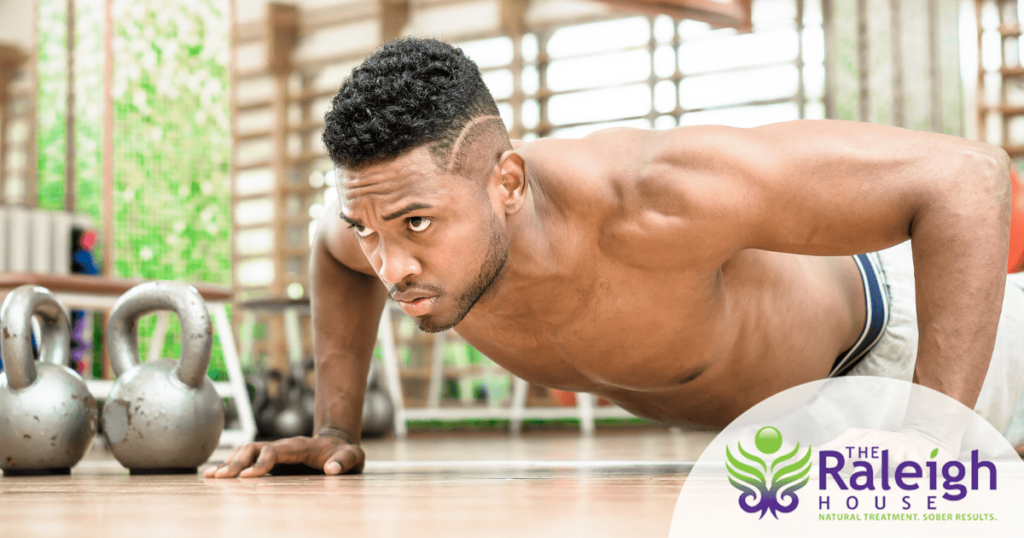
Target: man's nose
{"x":396,"y":264}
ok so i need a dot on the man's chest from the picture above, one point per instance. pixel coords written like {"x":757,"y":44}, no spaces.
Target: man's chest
{"x":626,"y":329}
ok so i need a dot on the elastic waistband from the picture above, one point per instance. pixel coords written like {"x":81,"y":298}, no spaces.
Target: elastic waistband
{"x":877,"y":303}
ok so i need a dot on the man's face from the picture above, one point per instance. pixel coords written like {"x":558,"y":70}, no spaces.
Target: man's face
{"x":433,"y":237}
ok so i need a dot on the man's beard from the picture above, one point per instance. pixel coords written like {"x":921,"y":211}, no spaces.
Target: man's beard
{"x":497,"y":255}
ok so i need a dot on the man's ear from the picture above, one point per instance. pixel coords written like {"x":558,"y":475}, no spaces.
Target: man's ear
{"x":512,"y":170}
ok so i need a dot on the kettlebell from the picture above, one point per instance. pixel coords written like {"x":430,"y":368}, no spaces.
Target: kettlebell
{"x":269,"y":391}
{"x":292,"y":420}
{"x":162,"y":416}
{"x":257,"y":387}
{"x":47,"y":416}
{"x":378,"y":411}
{"x":305,"y":373}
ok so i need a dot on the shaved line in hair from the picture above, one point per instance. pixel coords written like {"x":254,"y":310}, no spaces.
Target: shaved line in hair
{"x":458,"y":156}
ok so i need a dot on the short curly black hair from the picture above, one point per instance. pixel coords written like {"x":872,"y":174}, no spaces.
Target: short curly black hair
{"x":410,"y":92}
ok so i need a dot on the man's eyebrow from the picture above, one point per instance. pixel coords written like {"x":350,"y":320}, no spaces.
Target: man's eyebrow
{"x":407,"y":209}
{"x":352,"y":222}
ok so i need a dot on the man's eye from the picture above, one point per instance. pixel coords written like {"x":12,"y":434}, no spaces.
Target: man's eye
{"x":362,"y":231}
{"x":418,"y":224}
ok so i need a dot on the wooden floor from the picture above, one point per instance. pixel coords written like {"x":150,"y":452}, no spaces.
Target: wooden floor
{"x":617,"y":483}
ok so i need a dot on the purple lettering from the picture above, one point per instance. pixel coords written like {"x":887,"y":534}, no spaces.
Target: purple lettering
{"x":907,"y":469}
{"x":824,"y":470}
{"x":976,"y":468}
{"x":865,"y":474}
{"x":885,"y":470}
{"x":952,"y":481}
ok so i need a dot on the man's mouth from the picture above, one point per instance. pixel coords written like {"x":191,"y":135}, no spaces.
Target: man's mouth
{"x":420,"y":306}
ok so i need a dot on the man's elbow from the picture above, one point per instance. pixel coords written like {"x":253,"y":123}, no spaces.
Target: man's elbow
{"x":991,"y":168}
{"x":1003,"y":182}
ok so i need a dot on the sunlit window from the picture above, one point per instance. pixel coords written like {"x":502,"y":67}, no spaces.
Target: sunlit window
{"x":599,"y":37}
{"x":500,"y":83}
{"x":656,"y":72}
{"x":738,"y":51}
{"x":599,"y":70}
{"x":722,"y":89}
{"x":494,"y":52}
{"x":600,"y":105}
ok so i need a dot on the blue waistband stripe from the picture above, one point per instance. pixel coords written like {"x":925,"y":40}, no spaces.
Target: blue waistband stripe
{"x":877,"y":303}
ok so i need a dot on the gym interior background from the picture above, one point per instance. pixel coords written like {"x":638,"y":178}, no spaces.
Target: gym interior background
{"x":144,"y":139}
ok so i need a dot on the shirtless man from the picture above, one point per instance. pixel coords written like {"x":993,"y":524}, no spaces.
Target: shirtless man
{"x":685,"y":275}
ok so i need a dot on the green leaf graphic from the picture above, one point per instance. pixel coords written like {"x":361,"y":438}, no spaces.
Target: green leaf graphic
{"x":751,"y":457}
{"x":935,"y":453}
{"x":734,"y":466}
{"x":785,"y":457}
{"x":792,"y":473}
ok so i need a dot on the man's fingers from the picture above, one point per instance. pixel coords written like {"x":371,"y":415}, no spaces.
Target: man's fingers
{"x":239,"y":460}
{"x":263,"y":465}
{"x":258,"y":459}
{"x":209,"y":473}
{"x":291,"y":450}
{"x":348,"y":459}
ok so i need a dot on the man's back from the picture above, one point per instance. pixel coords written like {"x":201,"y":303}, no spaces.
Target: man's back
{"x":625,"y":304}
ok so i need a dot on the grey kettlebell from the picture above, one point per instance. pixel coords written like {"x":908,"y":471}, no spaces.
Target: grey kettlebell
{"x":267,"y":401}
{"x":162,"y":416}
{"x":306,"y":374}
{"x":47,"y":416}
{"x":291,"y":419}
{"x":378,"y":411}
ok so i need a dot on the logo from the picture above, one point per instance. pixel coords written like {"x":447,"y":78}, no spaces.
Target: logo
{"x":768,"y":484}
{"x":857,"y":470}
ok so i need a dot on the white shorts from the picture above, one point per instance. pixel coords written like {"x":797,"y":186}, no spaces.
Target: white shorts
{"x":1001,"y":401}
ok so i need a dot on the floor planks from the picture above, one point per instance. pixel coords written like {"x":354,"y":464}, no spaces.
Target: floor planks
{"x":617,"y":483}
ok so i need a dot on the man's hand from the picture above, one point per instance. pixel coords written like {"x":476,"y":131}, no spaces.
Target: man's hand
{"x":932,"y":421}
{"x":331,"y":453}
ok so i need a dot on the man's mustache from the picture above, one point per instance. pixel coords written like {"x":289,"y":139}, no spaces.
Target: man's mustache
{"x":424,"y":288}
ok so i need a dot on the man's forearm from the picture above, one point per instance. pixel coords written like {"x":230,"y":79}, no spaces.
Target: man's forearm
{"x":960,"y":244}
{"x":346,"y":307}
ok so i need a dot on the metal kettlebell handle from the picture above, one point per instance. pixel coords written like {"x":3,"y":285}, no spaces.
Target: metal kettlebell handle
{"x":16,"y":314}
{"x":196,"y":330}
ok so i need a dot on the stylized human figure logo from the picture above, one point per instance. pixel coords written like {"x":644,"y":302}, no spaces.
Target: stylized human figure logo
{"x":751,"y":475}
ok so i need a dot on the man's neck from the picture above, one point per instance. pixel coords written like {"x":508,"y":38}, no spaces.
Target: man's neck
{"x":535,"y":236}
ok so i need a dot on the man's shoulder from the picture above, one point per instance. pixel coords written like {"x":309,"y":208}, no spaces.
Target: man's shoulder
{"x":621,"y":169}
{"x":622,"y":158}
{"x":595,"y":170}
{"x":604,"y":148}
{"x":642,"y":210}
